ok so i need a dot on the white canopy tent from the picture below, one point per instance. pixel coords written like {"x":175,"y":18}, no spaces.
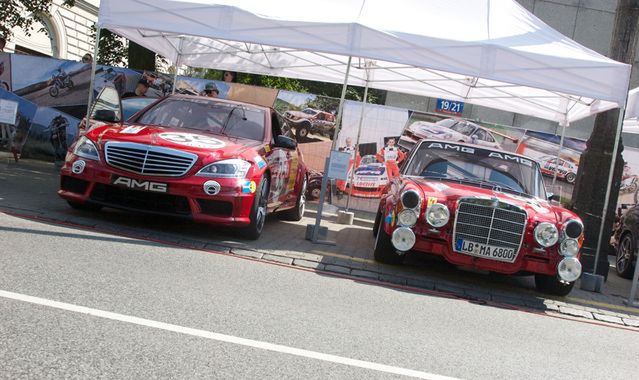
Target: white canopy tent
{"x":631,"y":119}
{"x":492,"y":53}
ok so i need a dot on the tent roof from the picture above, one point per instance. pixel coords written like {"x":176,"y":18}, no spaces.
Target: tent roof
{"x":492,"y":52}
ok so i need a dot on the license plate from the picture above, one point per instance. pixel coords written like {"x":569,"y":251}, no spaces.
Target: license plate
{"x":365,"y":184}
{"x":485,"y":251}
{"x":132,"y":183}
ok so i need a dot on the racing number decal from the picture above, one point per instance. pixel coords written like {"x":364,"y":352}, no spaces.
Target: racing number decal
{"x":278,"y":162}
{"x":192,"y":140}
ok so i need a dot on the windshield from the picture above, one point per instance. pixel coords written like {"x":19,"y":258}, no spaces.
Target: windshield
{"x":463,"y":128}
{"x":367,"y":160}
{"x":235,"y":120}
{"x":446,"y":123}
{"x":476,"y":166}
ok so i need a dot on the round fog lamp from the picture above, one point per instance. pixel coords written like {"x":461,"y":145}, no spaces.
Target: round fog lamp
{"x":569,"y":269}
{"x":403,"y":239}
{"x":407,"y":218}
{"x":573,"y":228}
{"x":569,"y":247}
{"x":78,"y":167}
{"x":410,"y":199}
{"x":546,"y":234}
{"x":211,"y":187}
{"x":437,"y":215}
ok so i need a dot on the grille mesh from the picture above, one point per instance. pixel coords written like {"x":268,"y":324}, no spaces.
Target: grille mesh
{"x":148,"y":159}
{"x":497,"y":224}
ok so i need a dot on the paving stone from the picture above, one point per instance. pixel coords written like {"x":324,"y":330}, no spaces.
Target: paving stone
{"x":392,"y":279}
{"x":217,"y":248}
{"x":570,"y":310}
{"x":631,"y":322}
{"x":278,"y":259}
{"x":551,"y":307}
{"x":247,"y":253}
{"x":420,"y":283}
{"x":192,"y":243}
{"x":337,"y":269}
{"x":308,"y":264}
{"x":364,"y":273}
{"x":608,"y":318}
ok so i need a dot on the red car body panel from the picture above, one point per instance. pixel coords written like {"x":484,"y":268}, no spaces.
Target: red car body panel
{"x":285,"y":166}
{"x":439,"y":241}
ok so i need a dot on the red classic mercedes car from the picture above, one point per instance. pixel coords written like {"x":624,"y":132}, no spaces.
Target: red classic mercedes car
{"x":479,"y":208}
{"x":210,"y":160}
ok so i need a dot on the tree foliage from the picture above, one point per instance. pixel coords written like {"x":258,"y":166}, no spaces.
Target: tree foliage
{"x":112,"y":48}
{"x":24,"y":13}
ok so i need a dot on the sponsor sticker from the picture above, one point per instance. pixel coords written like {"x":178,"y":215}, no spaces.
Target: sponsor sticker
{"x":431,"y":201}
{"x":267,"y":148}
{"x":390,"y":218}
{"x":249,"y":187}
{"x":132,"y":130}
{"x":192,"y":140}
{"x":260,"y":162}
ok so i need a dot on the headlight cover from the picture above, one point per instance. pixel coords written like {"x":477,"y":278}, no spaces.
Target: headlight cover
{"x":233,"y":168}
{"x":546,"y":234}
{"x":410,"y":199}
{"x":573,"y":229}
{"x":569,"y":247}
{"x":407,"y":218}
{"x":85,"y":148}
{"x":437,"y":215}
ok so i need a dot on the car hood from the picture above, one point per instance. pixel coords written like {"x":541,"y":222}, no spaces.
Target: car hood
{"x":203,"y":144}
{"x":433,"y":130}
{"x":449,"y":192}
{"x":370,"y":170}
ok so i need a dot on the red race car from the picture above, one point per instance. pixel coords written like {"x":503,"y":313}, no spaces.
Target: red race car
{"x":206,"y":159}
{"x":479,"y":208}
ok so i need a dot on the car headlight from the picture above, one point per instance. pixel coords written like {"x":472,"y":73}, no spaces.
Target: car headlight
{"x":546,"y":234}
{"x":410,"y":199}
{"x":86,"y":148}
{"x":233,"y":168}
{"x":403,"y":239}
{"x":437,"y":215}
{"x":407,"y":218}
{"x":569,"y":269}
{"x":569,"y":247}
{"x":573,"y":229}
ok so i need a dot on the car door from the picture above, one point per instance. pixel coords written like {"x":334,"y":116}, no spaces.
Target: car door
{"x":282,"y":163}
{"x":107,"y":109}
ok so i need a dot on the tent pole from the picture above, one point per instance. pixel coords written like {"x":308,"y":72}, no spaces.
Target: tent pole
{"x":359,"y":133}
{"x":96,"y":51}
{"x":338,"y":122}
{"x":561,"y":146}
{"x":613,"y":160}
{"x":177,"y":65}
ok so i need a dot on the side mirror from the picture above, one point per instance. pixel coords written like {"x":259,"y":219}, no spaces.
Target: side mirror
{"x":554,"y":197}
{"x":107,"y":116}
{"x":285,"y":142}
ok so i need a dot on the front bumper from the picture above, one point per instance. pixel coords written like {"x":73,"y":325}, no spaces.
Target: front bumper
{"x":185,"y":196}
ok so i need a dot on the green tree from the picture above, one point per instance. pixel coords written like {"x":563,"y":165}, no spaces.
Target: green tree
{"x":112,"y":48}
{"x":12,"y":14}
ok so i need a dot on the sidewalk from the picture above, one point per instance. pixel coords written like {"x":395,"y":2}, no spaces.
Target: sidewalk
{"x":29,"y":190}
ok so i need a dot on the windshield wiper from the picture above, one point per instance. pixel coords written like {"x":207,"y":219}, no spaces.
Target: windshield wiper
{"x":228,"y":118}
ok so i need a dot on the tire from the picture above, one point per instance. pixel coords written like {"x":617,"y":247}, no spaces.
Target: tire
{"x":384,"y":250}
{"x":571,"y":177}
{"x":258,"y":211}
{"x":624,"y":257}
{"x":550,"y":284}
{"x":70,"y":85}
{"x":296,"y":213}
{"x":378,"y":219}
{"x":84,"y":206}
{"x":54,"y":91}
{"x":302,"y":132}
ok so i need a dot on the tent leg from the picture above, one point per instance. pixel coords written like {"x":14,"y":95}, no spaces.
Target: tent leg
{"x":609,"y":186}
{"x":561,"y":146}
{"x":338,"y":122}
{"x":96,"y":51}
{"x":359,"y":133}
{"x":177,"y":65}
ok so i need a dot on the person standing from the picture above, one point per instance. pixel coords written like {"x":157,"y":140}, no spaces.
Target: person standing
{"x":211,"y":90}
{"x":391,"y":156}
{"x":140,"y":89}
{"x":229,"y":76}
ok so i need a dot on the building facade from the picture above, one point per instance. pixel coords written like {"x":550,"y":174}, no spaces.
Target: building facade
{"x":67,"y":36}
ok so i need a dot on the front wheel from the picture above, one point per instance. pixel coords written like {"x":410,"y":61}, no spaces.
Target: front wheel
{"x":550,"y":284}
{"x":258,"y":211}
{"x":295,"y":214}
{"x":53,"y":91}
{"x":384,"y":250}
{"x":625,"y":256}
{"x":70,"y":84}
{"x":571,"y":177}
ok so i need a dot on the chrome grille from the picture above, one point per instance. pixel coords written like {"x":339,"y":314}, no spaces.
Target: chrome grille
{"x":491,"y":222}
{"x":148,"y":159}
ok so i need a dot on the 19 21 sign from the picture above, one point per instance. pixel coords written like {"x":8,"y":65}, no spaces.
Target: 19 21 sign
{"x":450,"y":107}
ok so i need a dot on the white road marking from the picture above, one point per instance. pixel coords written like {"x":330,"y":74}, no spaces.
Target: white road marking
{"x":222,"y":337}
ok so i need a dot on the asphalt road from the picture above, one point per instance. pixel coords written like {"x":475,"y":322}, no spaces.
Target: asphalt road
{"x":256,"y":320}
